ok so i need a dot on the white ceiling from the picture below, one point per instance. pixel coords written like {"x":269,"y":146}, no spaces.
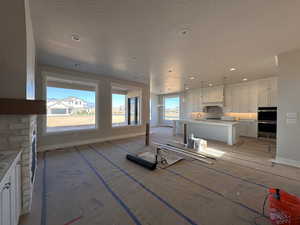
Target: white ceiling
{"x":143,"y":40}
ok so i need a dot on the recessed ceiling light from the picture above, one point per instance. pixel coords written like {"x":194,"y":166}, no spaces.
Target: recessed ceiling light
{"x":75,"y":37}
{"x":185,"y":31}
{"x":192,"y":78}
{"x":210,"y":84}
{"x":232,"y":69}
{"x":245,"y":79}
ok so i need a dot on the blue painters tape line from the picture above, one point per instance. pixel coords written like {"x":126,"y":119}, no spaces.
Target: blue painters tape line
{"x":215,"y":192}
{"x":125,"y":207}
{"x":222,"y":172}
{"x":233,"y":176}
{"x":44,"y":192}
{"x":190,"y":221}
{"x":207,"y":188}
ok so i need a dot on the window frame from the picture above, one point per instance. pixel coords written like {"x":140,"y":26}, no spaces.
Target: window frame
{"x":164,"y":107}
{"x":139,"y":124}
{"x":69,"y":79}
{"x":126,"y":109}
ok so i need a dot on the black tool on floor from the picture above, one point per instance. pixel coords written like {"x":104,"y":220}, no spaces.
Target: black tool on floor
{"x":142,"y":162}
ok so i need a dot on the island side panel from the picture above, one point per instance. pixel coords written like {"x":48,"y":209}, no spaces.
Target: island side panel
{"x":210,"y":131}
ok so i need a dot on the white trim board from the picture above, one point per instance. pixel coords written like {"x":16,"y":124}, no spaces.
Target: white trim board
{"x":89,"y":141}
{"x":285,"y":161}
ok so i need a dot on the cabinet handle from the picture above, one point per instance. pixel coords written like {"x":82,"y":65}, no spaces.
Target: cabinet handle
{"x":7,"y":186}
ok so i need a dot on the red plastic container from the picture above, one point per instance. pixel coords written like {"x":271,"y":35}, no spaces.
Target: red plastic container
{"x":284,"y":208}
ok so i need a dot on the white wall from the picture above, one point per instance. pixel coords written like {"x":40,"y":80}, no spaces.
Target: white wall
{"x":154,"y":110}
{"x":105,"y":130}
{"x":30,"y":55}
{"x":13,"y":49}
{"x":288,"y":141}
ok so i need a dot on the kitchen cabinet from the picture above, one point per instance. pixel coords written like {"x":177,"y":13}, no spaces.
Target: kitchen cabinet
{"x":241,"y":98}
{"x":213,"y":94}
{"x":248,"y":128}
{"x":244,"y":97}
{"x":267,"y":92}
{"x":252,"y":97}
{"x":5,"y":204}
{"x":10,"y":196}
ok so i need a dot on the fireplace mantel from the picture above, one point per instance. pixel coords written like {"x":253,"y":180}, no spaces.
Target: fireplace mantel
{"x":22,"y":106}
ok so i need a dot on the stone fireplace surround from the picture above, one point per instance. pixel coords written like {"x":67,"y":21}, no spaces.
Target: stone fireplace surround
{"x":16,"y":134}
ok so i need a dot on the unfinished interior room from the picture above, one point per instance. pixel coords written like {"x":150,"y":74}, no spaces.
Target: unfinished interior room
{"x":150,"y":112}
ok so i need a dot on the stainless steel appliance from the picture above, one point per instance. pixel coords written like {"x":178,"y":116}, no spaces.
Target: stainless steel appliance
{"x":267,"y":122}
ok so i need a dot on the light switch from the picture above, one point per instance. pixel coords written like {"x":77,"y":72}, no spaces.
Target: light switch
{"x":291,"y":118}
{"x":292,"y":115}
{"x":291,"y":121}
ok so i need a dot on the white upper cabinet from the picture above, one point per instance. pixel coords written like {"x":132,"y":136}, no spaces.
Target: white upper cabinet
{"x":192,"y":102}
{"x":213,"y":94}
{"x":252,"y":97}
{"x":267,"y":92}
{"x":241,"y":98}
{"x":237,"y":98}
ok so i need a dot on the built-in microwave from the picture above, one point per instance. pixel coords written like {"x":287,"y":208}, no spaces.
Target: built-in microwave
{"x":267,"y":114}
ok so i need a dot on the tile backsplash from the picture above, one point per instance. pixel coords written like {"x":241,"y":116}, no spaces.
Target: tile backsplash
{"x":239,"y":116}
{"x":243,"y":116}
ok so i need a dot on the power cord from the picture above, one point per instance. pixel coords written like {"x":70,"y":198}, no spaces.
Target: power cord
{"x":263,"y":210}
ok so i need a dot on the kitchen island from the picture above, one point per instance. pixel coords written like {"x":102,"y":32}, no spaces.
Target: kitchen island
{"x":224,"y":131}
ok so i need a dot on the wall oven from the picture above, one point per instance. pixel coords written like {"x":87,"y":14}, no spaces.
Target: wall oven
{"x":267,"y":122}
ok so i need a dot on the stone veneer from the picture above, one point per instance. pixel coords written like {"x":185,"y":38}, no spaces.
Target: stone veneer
{"x":16,"y":133}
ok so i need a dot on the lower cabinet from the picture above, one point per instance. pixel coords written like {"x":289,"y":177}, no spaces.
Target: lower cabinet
{"x":10,"y":197}
{"x":248,"y":128}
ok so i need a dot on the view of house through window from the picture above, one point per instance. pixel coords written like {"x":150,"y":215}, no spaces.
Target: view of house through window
{"x":70,"y":109}
{"x":171,"y":108}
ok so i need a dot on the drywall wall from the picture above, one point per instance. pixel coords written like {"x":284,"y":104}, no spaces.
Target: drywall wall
{"x":105,"y":131}
{"x":154,"y":111}
{"x":30,"y":55}
{"x":288,"y":127}
{"x":13,"y":49}
{"x":17,"y":55}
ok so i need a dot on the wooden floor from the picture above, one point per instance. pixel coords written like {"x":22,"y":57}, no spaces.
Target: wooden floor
{"x":95,"y":184}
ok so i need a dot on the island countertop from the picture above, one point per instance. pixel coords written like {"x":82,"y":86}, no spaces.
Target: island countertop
{"x":212,"y":122}
{"x":7,"y":159}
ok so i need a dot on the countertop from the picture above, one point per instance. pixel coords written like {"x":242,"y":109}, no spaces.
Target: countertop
{"x":7,"y":158}
{"x":212,"y":122}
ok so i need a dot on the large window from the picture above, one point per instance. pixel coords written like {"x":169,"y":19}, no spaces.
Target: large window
{"x":70,"y":106}
{"x":119,"y":109}
{"x":171,"y":108}
{"x":125,"y":105}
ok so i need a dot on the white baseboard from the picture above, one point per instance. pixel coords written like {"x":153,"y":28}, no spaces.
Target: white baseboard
{"x":89,"y":141}
{"x":288,"y":162}
{"x":165,"y":125}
